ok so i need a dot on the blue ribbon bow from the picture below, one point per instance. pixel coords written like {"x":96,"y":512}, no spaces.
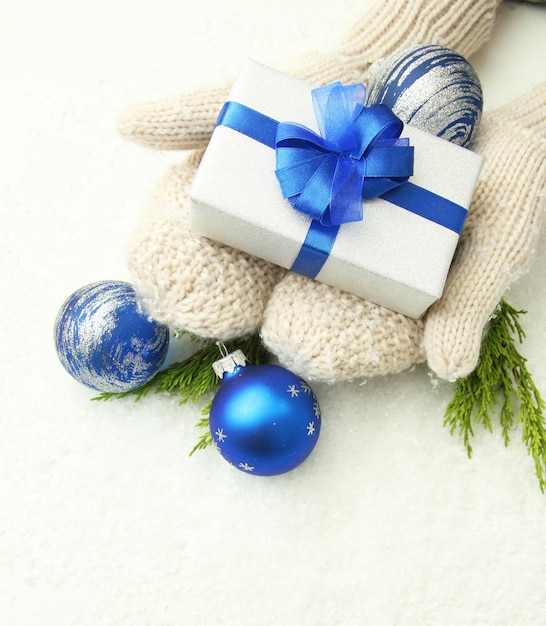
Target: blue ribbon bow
{"x":358,"y":155}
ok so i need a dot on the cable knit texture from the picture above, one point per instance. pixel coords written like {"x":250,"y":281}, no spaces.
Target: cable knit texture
{"x":187,"y":121}
{"x":318,"y":331}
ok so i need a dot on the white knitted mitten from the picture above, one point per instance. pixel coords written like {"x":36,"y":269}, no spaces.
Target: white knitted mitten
{"x":210,"y":289}
{"x":193,"y":283}
{"x":324,"y":334}
{"x":500,"y":235}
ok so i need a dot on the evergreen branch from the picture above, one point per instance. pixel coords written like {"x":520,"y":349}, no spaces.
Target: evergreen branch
{"x":501,"y":377}
{"x":194,"y":377}
{"x":203,"y":442}
{"x":206,"y":438}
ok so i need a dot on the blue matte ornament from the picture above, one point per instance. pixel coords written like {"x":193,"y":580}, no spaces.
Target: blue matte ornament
{"x":106,"y":340}
{"x":264,"y":419}
{"x":431,"y":87}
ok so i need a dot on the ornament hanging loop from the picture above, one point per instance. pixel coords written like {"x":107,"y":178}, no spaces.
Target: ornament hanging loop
{"x":222,"y":347}
{"x":229,"y":360}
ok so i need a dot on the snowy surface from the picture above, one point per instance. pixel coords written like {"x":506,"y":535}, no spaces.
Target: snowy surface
{"x":104,"y":518}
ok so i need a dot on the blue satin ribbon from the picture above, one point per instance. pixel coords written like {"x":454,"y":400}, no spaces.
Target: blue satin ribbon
{"x":358,"y":155}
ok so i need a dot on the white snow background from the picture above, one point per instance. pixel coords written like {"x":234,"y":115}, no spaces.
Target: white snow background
{"x":104,"y":518}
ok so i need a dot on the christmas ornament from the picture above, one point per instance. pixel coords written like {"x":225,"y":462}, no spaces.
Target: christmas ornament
{"x":264,"y":419}
{"x":431,"y":87}
{"x":105,"y":340}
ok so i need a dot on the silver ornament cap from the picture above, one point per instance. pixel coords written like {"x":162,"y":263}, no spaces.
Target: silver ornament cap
{"x":229,"y":362}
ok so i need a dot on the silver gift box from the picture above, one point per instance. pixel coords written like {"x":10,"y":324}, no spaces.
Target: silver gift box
{"x":393,"y":257}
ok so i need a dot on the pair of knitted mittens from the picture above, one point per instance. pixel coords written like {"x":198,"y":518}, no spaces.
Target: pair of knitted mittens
{"x":318,"y":331}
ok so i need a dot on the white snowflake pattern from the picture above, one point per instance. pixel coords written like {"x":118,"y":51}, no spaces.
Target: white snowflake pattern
{"x":316,"y":409}
{"x":221,"y":434}
{"x":311,"y":428}
{"x":246,"y":467}
{"x":305,"y":387}
{"x":293,"y":391}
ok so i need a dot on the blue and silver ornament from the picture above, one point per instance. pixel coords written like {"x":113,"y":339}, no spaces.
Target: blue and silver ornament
{"x":431,"y":87}
{"x":264,"y":419}
{"x":106,"y":340}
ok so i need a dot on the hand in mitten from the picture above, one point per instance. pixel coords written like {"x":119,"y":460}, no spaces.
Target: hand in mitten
{"x":193,"y":283}
{"x":215,"y":291}
{"x":325,"y":334}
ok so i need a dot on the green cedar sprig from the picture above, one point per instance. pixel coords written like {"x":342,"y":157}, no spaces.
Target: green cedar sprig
{"x":501,"y":378}
{"x":194,"y":377}
{"x":205,"y":440}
